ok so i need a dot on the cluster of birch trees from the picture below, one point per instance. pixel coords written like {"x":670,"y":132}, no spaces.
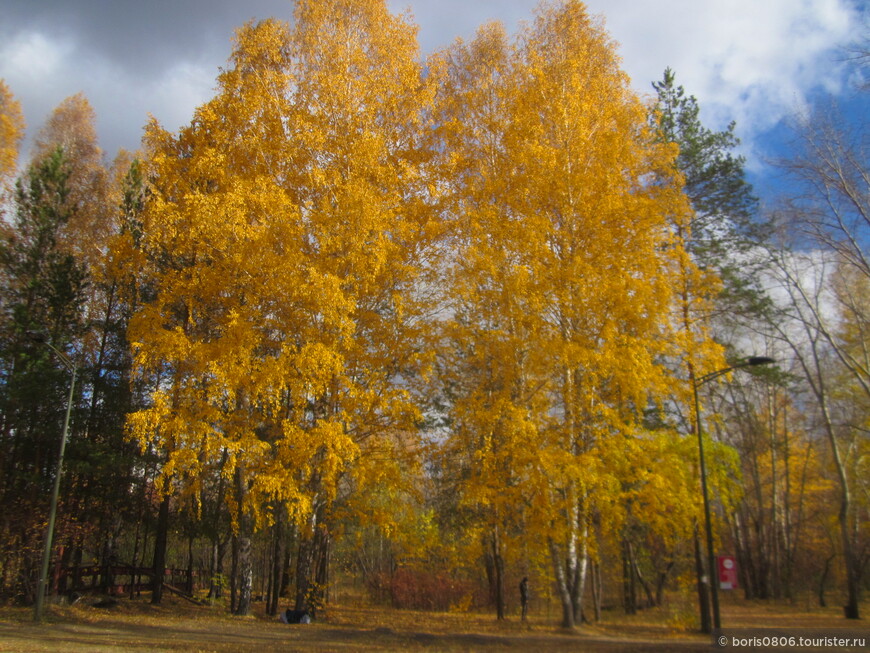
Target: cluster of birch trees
{"x":367,"y":314}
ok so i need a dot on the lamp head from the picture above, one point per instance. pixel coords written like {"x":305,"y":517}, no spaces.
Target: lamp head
{"x":37,"y":336}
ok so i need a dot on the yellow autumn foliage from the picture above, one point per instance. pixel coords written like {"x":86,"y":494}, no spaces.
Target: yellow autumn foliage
{"x":564,"y":286}
{"x":11,"y":133}
{"x":283,"y":238}
{"x":300,"y":230}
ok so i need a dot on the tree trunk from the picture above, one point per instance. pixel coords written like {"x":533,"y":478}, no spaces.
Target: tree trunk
{"x":218,"y":544}
{"x":244,"y":557}
{"x":852,"y":564}
{"x":629,"y":593}
{"x":578,"y":588}
{"x":570,"y":571}
{"x":498,"y":572}
{"x":562,"y":586}
{"x":135,"y":560}
{"x":189,"y":587}
{"x":850,"y":561}
{"x":109,"y":557}
{"x":287,"y":565}
{"x":787,"y":530}
{"x":650,"y":599}
{"x":822,"y":581}
{"x":77,"y":565}
{"x":277,"y":567}
{"x":741,"y":553}
{"x":146,"y":531}
{"x":305,"y":564}
{"x":321,"y":576}
{"x":703,"y":580}
{"x":489,"y":570}
{"x":776,"y":569}
{"x":234,"y":569}
{"x":660,"y":582}
{"x":245,"y":568}
{"x":220,"y":547}
{"x":596,"y":590}
{"x":160,"y":540}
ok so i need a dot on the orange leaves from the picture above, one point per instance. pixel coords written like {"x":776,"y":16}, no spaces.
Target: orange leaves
{"x":295,"y":240}
{"x":282,"y":240}
{"x":562,"y":286}
{"x":11,"y":133}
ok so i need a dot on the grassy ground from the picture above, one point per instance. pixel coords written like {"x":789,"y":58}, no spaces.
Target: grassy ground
{"x":181,"y":626}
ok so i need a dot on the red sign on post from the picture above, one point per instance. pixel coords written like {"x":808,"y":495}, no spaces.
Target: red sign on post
{"x":727,"y":572}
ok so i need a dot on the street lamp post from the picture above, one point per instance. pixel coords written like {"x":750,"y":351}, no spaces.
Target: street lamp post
{"x":711,"y":560}
{"x":52,"y":513}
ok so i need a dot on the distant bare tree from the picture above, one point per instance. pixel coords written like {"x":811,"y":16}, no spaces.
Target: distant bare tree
{"x":831,"y":168}
{"x":806,"y":319}
{"x":823,"y":271}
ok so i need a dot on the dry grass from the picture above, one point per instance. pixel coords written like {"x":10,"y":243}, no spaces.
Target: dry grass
{"x":180,"y":626}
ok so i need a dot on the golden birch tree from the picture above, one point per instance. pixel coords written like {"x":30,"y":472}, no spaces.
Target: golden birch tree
{"x":90,"y":201}
{"x":362,"y":131}
{"x":567,"y":206}
{"x":286,"y":231}
{"x":606,"y":254}
{"x":491,"y":358}
{"x":11,"y":133}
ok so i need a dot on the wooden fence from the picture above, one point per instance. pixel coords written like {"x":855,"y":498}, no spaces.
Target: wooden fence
{"x":120,"y":580}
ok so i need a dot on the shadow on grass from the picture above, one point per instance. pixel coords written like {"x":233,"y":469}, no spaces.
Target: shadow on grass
{"x":138,"y":626}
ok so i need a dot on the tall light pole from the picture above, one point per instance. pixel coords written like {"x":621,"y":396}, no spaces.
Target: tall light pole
{"x":711,"y":559}
{"x":52,"y":513}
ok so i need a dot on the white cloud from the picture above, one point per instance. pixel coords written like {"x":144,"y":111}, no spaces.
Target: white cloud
{"x":40,"y":70}
{"x":43,"y":69}
{"x":752,"y":61}
{"x":746,"y":60}
{"x":184,"y":87}
{"x":33,"y":57}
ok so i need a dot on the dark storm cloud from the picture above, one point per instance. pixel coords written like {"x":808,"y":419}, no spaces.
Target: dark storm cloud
{"x":141,"y":36}
{"x":130,"y":58}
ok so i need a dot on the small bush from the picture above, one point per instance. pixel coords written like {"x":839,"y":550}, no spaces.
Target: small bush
{"x":418,"y":589}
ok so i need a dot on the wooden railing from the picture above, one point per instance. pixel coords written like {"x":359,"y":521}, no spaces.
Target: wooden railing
{"x":101,"y":578}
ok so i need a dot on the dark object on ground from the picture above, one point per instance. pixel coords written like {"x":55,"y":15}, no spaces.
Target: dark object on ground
{"x":295,"y":617}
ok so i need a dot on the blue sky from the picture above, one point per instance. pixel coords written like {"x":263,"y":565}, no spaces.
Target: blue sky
{"x":753,"y":61}
{"x":776,"y":142}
